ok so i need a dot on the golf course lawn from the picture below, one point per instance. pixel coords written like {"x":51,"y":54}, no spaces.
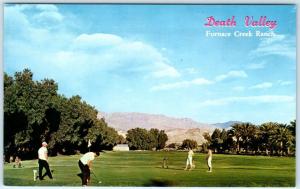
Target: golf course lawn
{"x":145,"y":169}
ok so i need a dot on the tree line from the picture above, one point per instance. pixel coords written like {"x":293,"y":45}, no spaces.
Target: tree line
{"x":269,"y":138}
{"x":35,"y":112}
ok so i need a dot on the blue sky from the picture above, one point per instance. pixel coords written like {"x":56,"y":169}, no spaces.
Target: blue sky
{"x":157,"y":59}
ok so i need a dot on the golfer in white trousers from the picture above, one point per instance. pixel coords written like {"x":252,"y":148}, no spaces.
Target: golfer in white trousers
{"x":189,"y":160}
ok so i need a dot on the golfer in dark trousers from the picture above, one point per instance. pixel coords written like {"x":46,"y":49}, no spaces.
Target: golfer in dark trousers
{"x":43,"y":162}
{"x":85,"y":165}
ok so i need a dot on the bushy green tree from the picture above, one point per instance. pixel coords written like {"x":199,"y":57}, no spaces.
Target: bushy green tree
{"x":188,"y":143}
{"x":159,"y":138}
{"x":139,"y":139}
{"x":35,"y":112}
{"x":27,"y":111}
{"x":121,"y":139}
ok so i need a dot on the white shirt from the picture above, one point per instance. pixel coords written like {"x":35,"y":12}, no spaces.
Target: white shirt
{"x":43,"y":153}
{"x":87,"y":157}
{"x":209,"y":153}
{"x":190,"y":154}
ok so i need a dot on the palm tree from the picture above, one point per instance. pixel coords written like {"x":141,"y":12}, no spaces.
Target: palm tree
{"x":216,"y":140}
{"x":230,"y":142}
{"x":292,"y":127}
{"x":266,"y":130}
{"x":224,"y":138}
{"x":236,"y":132}
{"x":248,"y":132}
{"x":257,"y":141}
{"x":282,"y":139}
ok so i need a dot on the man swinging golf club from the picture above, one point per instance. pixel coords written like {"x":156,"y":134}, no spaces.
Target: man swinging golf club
{"x":85,"y":165}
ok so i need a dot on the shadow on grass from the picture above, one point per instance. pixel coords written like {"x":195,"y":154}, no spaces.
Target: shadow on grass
{"x":80,"y":175}
{"x":171,"y":168}
{"x":161,"y":183}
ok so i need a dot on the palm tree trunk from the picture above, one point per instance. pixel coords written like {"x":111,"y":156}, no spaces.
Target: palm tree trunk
{"x":281,"y":145}
{"x":238,"y":146}
{"x":247,"y":146}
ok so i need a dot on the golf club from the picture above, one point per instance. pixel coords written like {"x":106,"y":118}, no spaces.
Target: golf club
{"x":96,"y":177}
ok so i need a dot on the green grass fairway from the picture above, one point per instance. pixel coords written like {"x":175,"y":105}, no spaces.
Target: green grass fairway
{"x":144,"y":169}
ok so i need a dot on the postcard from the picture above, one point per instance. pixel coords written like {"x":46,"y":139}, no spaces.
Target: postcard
{"x":137,"y":95}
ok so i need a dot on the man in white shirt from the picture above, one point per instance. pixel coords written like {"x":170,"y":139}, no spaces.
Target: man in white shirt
{"x":85,"y":165}
{"x":43,"y":161}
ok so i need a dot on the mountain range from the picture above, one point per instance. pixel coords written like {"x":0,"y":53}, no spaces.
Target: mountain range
{"x":177,"y":129}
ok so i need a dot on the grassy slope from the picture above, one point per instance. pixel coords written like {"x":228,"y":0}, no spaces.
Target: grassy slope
{"x":144,"y":169}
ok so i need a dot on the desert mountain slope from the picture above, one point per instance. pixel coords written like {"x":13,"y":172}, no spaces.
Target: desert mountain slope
{"x":126,"y":121}
{"x":177,"y":129}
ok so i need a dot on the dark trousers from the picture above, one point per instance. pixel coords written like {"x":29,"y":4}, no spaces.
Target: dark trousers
{"x":44,"y":164}
{"x":85,"y":171}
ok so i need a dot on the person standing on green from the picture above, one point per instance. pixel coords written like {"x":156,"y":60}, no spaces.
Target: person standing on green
{"x":209,"y":159}
{"x":43,"y":161}
{"x":189,"y":160}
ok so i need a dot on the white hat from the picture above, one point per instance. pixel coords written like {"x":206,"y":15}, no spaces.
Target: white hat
{"x":44,"y":144}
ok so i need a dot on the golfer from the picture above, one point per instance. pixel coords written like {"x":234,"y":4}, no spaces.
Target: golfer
{"x":85,"y":165}
{"x":209,"y":158}
{"x":189,"y":160}
{"x":18,"y":162}
{"x":43,"y":161}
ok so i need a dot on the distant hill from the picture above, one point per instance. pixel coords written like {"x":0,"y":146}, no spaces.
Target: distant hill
{"x":125,"y":121}
{"x":177,"y":129}
{"x":226,"y":125}
{"x":178,"y":135}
